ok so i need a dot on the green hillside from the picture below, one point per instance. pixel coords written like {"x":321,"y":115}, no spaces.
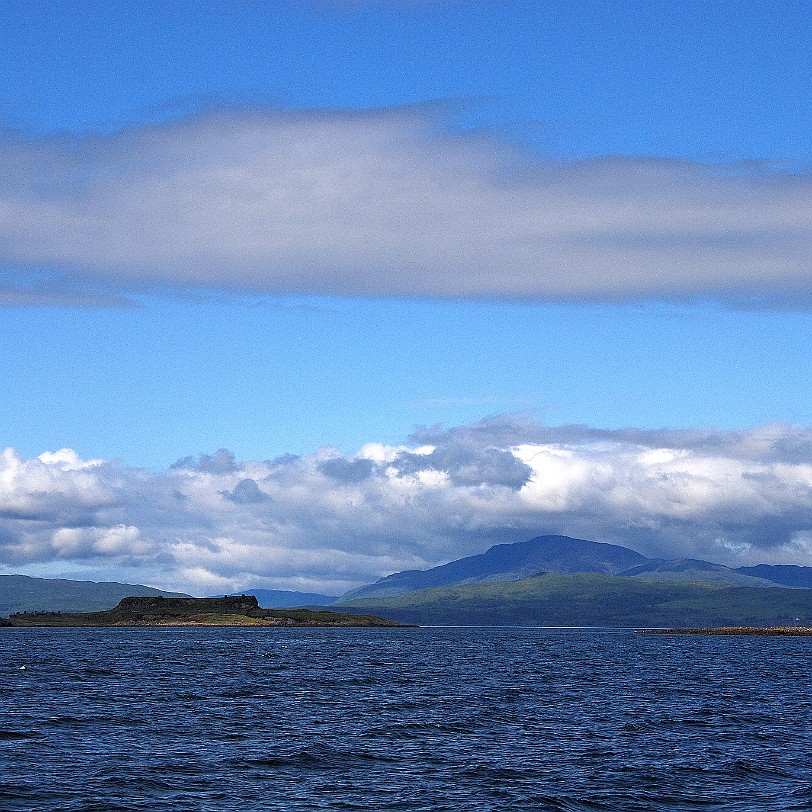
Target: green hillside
{"x":556,"y":599}
{"x":19,"y":593}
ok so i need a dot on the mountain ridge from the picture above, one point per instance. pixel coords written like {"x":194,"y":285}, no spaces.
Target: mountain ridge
{"x":563,"y":554}
{"x":24,"y":593}
{"x":791,"y":575}
{"x":693,"y":569}
{"x":508,"y":562}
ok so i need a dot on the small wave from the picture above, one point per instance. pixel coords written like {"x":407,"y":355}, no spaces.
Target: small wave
{"x":238,"y":693}
{"x":415,"y":729}
{"x":98,"y":672}
{"x":192,"y":697}
{"x":744,"y":768}
{"x":804,"y":797}
{"x":323,"y":758}
{"x":17,"y":735}
{"x":561,"y":803}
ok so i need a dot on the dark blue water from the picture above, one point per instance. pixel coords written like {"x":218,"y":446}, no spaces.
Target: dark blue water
{"x":405,"y":719}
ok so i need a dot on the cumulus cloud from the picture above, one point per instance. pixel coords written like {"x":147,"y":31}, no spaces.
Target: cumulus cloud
{"x":383,"y":203}
{"x":330,"y":522}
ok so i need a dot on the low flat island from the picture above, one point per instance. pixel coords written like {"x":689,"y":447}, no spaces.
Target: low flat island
{"x":752,"y":631}
{"x":241,"y":610}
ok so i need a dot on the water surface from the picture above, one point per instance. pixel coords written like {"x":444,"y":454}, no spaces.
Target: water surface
{"x":219,"y":720}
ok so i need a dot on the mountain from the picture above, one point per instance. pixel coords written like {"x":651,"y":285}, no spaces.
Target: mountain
{"x":509,"y":562}
{"x":555,"y":599}
{"x":692,"y":569}
{"x":19,"y":593}
{"x":785,"y":574}
{"x":284,"y":599}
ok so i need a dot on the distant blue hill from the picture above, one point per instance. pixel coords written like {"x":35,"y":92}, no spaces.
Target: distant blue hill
{"x":784,"y":574}
{"x":285,"y":599}
{"x":692,"y":569}
{"x":20,"y":593}
{"x":509,"y":562}
{"x":564,"y":555}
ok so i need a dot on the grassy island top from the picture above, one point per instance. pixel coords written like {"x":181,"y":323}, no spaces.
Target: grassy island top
{"x":241,"y":610}
{"x":752,"y":631}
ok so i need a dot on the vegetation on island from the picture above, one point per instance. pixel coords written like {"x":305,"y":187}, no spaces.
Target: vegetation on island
{"x":240,"y":610}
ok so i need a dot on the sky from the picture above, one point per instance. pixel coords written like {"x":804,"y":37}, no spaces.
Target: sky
{"x":298,"y":294}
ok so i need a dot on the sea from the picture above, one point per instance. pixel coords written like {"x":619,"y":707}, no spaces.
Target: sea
{"x":456,"y":719}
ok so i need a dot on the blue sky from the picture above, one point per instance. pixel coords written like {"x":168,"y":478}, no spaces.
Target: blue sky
{"x":311,"y":227}
{"x":702,"y":80}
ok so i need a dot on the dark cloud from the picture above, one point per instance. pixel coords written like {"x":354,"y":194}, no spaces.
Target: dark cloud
{"x":469,"y":466}
{"x":246,"y":492}
{"x":284,"y":459}
{"x":348,"y":471}
{"x":770,"y":531}
{"x":778,"y":442}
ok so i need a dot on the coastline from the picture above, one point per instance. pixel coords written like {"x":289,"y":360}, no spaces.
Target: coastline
{"x":749,"y":631}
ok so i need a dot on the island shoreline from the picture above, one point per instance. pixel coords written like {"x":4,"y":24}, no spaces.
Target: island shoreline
{"x":240,"y":611}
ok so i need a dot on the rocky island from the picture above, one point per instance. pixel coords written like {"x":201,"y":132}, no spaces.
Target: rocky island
{"x":241,"y":610}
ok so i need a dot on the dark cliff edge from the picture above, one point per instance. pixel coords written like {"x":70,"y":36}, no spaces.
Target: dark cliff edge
{"x":239,"y":610}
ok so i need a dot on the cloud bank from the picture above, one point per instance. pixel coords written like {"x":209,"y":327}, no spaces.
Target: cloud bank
{"x":328,"y":522}
{"x":383,"y":203}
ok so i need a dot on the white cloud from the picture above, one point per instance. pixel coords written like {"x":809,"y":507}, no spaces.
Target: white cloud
{"x":380,"y":203}
{"x":66,"y":459}
{"x":327,"y":522}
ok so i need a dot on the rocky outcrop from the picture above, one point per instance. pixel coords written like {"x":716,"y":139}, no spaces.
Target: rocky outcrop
{"x":230,"y":604}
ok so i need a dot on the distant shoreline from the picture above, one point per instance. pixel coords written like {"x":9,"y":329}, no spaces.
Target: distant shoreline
{"x":360,"y":623}
{"x":749,"y":631}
